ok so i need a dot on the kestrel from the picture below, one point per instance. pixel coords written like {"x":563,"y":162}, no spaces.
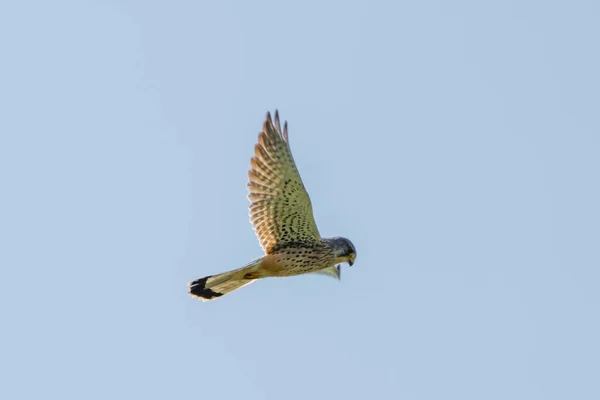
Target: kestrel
{"x":282,"y":217}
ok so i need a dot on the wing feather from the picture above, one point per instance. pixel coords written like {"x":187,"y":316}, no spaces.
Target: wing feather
{"x":280,"y":208}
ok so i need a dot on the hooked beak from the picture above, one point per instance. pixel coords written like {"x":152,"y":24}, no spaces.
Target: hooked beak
{"x":350,"y":262}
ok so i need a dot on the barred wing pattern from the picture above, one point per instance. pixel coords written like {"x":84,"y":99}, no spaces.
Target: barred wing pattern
{"x":280,"y":209}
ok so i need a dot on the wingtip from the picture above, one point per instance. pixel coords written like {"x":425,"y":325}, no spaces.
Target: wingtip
{"x":268,"y":125}
{"x":277,"y":123}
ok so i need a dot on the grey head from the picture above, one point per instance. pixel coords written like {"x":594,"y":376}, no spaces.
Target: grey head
{"x":342,"y":248}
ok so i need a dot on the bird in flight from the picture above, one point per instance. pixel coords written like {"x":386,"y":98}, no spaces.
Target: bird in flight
{"x":282,"y":217}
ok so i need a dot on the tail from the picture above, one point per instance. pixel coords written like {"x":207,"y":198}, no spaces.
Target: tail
{"x":213,"y":286}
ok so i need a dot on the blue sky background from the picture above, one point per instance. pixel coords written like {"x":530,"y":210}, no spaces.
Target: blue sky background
{"x":457,"y":145}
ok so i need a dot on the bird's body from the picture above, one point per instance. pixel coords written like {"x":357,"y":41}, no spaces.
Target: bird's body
{"x":281,"y":214}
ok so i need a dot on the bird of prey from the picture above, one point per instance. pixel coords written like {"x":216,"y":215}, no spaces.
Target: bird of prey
{"x":282,"y":217}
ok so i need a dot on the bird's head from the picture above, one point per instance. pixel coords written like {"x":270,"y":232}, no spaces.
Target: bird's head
{"x":343,"y":249}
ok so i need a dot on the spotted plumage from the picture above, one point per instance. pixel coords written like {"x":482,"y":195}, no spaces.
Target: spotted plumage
{"x":282,"y":217}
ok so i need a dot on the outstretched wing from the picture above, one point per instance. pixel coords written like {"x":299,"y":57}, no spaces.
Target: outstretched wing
{"x":280,"y":209}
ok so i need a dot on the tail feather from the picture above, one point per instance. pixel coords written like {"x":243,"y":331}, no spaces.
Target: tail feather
{"x":214,"y":286}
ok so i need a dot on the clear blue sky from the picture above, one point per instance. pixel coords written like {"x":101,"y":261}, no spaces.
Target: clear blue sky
{"x":457,"y":144}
